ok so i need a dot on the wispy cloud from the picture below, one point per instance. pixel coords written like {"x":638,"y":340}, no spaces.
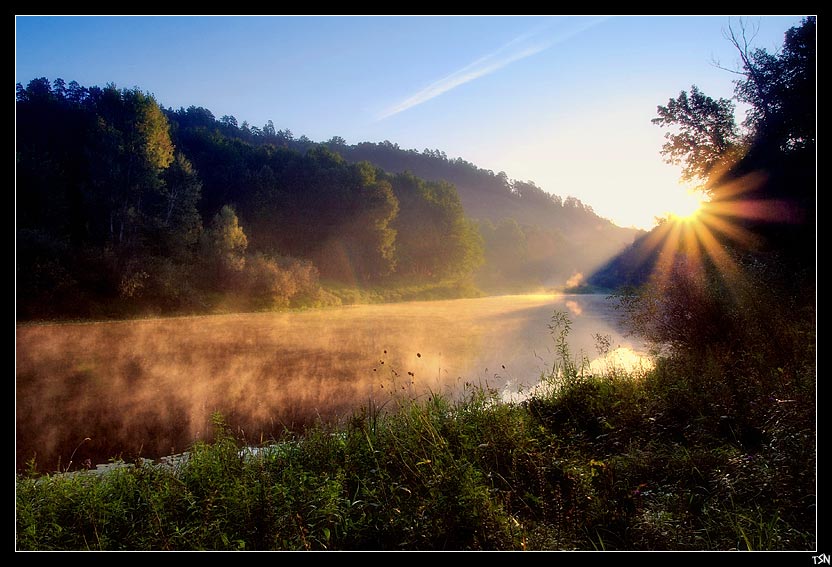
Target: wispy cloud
{"x":518,"y":48}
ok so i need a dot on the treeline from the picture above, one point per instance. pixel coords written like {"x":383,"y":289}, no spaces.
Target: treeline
{"x":531,"y":238}
{"x":760,"y":175}
{"x":493,"y":192}
{"x":357,"y":223}
{"x":122,"y":206}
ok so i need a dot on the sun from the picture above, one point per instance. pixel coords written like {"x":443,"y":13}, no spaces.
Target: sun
{"x":688,"y":207}
{"x":703,"y":230}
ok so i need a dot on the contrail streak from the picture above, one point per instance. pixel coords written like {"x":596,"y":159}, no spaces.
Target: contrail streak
{"x":483,"y":66}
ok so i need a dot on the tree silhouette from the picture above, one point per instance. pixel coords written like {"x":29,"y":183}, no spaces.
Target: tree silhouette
{"x":705,"y":134}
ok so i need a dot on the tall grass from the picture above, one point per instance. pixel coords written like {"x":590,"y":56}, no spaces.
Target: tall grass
{"x":659,"y":460}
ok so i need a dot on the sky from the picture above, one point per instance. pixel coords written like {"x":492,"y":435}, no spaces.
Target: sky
{"x":562,"y":101}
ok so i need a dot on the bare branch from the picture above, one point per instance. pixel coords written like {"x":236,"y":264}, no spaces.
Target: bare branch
{"x":750,"y":68}
{"x":744,"y":33}
{"x":718,"y":65}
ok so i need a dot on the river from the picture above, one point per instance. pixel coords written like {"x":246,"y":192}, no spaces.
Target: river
{"x":92,"y":391}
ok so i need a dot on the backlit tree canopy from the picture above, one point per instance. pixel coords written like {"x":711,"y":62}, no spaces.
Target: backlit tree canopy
{"x":704,"y":133}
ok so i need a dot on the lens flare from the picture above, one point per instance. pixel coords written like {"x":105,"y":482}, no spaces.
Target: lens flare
{"x":688,"y":208}
{"x":700,"y":232}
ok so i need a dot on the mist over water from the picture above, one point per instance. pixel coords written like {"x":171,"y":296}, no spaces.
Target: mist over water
{"x":149,"y":388}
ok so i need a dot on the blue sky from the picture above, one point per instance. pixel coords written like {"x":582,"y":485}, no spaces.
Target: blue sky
{"x":565,"y":102}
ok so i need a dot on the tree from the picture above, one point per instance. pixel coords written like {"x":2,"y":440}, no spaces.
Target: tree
{"x":780,"y":88}
{"x":75,"y":93}
{"x":336,"y":142}
{"x":229,"y":120}
{"x":176,"y":215}
{"x":782,"y":91}
{"x":368,"y":230}
{"x":505,"y":252}
{"x":704,"y":134}
{"x":225,"y":245}
{"x":59,"y":88}
{"x":435,"y":241}
{"x":130,"y":148}
{"x":716,"y":289}
{"x":798,"y":60}
{"x":196,"y":117}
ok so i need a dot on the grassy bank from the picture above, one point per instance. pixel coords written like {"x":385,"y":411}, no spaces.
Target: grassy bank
{"x":328,"y":295}
{"x":679,"y":458}
{"x":352,"y":295}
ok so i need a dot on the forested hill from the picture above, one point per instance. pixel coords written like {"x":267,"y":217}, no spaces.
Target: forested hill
{"x":486,"y":195}
{"x":565,"y":239}
{"x":531,"y":238}
{"x":124,"y":206}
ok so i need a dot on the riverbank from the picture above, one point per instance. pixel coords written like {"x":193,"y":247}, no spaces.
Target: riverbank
{"x":331,"y":295}
{"x":662,"y":460}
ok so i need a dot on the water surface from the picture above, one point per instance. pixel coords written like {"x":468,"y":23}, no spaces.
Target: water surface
{"x":148,"y":388}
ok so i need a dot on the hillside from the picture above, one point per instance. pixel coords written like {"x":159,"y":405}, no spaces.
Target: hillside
{"x":531,"y":238}
{"x":486,"y":195}
{"x":125,"y":207}
{"x":584,"y":239}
